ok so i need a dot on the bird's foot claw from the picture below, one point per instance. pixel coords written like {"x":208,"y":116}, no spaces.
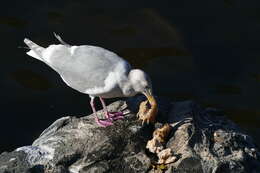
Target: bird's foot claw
{"x":104,"y":123}
{"x":115,"y":115}
{"x":110,"y":117}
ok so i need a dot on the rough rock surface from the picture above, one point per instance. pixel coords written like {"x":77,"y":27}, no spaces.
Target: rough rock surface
{"x":201,"y":140}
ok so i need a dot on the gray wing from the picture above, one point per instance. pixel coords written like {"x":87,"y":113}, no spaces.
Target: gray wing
{"x":87,"y":67}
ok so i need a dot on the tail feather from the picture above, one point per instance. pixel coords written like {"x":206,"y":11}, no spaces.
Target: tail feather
{"x":36,"y":50}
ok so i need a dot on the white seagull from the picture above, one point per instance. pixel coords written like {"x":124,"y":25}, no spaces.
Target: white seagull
{"x":94,"y":71}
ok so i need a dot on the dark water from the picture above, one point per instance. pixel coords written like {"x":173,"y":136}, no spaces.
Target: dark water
{"x":200,"y":50}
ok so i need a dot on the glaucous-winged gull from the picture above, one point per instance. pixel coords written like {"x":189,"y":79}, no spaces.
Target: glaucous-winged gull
{"x":94,"y":71}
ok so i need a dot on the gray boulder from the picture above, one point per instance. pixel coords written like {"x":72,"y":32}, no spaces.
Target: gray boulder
{"x":200,"y":140}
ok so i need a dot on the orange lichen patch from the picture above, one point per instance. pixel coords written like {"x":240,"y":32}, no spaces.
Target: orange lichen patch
{"x":159,"y":167}
{"x":148,"y":110}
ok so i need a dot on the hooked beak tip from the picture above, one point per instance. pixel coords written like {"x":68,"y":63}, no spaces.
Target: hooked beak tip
{"x":148,"y":94}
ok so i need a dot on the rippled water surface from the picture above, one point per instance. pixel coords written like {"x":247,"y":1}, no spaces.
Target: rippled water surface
{"x":198,"y":50}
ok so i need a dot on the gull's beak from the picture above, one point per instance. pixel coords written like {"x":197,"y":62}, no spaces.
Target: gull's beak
{"x":148,"y":93}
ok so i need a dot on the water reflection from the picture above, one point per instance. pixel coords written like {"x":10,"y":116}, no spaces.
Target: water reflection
{"x":30,"y":79}
{"x":227,"y":90}
{"x":13,"y":22}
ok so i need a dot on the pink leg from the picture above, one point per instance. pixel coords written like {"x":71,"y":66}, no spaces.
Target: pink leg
{"x":99,"y":122}
{"x":105,"y":108}
{"x":111,"y":115}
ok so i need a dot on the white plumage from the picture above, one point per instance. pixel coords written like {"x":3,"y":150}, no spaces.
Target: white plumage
{"x":92,"y":70}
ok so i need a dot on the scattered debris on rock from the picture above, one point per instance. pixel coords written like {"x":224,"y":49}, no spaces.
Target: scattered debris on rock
{"x":157,"y":145}
{"x":184,"y":139}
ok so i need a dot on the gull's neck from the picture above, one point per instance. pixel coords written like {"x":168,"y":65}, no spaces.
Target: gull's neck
{"x":127,"y":87}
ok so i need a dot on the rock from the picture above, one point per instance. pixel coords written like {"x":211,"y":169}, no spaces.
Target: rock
{"x":14,"y":162}
{"x":199,"y":141}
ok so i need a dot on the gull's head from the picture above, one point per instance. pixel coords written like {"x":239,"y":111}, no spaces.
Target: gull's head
{"x":141,"y":82}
